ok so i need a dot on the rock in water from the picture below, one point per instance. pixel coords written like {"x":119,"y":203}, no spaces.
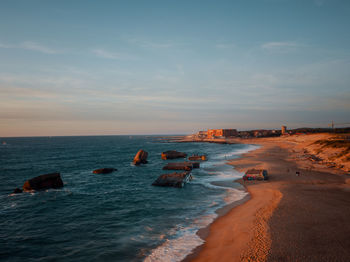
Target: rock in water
{"x":195,"y":164}
{"x":172,"y":154}
{"x":43,"y":182}
{"x":140,"y":157}
{"x":17,"y":191}
{"x":178,"y":166}
{"x":105,"y":170}
{"x":197,"y":158}
{"x":173,"y":179}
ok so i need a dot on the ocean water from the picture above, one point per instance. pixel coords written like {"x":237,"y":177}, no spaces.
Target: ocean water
{"x":107,"y":217}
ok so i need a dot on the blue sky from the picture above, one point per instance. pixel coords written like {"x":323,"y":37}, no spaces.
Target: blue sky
{"x":157,"y":67}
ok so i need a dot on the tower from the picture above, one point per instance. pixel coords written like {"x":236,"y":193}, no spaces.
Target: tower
{"x":284,"y":130}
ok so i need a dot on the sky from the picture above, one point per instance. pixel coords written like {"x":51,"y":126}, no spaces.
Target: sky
{"x":172,"y":67}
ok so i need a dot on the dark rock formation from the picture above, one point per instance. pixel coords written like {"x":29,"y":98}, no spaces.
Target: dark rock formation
{"x":17,"y":191}
{"x":195,"y":164}
{"x":198,"y":158}
{"x":178,"y":166}
{"x":106,"y":170}
{"x":172,"y":154}
{"x":43,"y":182}
{"x":173,"y":179}
{"x":140,"y":157}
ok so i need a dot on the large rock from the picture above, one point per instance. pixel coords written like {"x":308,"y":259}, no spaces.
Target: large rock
{"x":43,"y":182}
{"x":140,"y":157}
{"x":178,"y":166}
{"x":196,"y":158}
{"x":105,"y":170}
{"x":173,"y":179}
{"x":172,"y":154}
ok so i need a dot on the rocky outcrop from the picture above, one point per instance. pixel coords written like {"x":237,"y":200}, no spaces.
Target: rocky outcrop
{"x":178,"y":166}
{"x":198,"y":158}
{"x":172,"y":154}
{"x":105,"y":170}
{"x":43,"y":182}
{"x":140,"y":157}
{"x":173,"y":179}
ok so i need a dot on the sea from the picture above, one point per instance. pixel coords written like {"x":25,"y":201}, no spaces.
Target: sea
{"x":108,"y":217}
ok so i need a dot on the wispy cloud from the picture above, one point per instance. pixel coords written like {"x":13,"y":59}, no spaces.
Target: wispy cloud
{"x":279,"y":45}
{"x":225,"y":46}
{"x":145,"y":43}
{"x":157,"y":45}
{"x":33,"y":46}
{"x":112,"y":55}
{"x":106,"y":54}
{"x":4,"y":46}
{"x":38,"y":47}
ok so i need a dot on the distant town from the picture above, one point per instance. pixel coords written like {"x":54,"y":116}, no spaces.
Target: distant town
{"x":227,"y":133}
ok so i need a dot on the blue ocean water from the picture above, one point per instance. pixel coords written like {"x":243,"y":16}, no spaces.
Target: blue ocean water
{"x":107,"y":217}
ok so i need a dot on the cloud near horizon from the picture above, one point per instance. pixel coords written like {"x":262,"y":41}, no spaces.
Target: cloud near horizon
{"x":99,"y":52}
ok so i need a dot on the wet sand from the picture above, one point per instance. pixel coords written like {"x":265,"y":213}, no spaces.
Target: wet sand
{"x":288,"y":217}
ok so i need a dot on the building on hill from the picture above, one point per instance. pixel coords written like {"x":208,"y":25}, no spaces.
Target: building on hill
{"x":212,"y":133}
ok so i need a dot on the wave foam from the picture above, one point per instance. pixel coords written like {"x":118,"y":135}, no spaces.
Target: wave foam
{"x":174,"y":250}
{"x":237,"y":152}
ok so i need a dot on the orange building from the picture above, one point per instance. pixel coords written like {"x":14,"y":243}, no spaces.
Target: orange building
{"x":284,"y":130}
{"x":212,"y":133}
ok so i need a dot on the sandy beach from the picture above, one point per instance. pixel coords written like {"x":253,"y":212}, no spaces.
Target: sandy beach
{"x":288,"y":217}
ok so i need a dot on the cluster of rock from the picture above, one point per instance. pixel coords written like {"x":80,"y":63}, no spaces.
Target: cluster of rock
{"x":178,"y":179}
{"x":54,"y":180}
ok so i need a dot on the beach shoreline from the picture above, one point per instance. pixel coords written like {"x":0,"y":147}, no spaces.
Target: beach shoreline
{"x":203,"y":233}
{"x":252,"y":230}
